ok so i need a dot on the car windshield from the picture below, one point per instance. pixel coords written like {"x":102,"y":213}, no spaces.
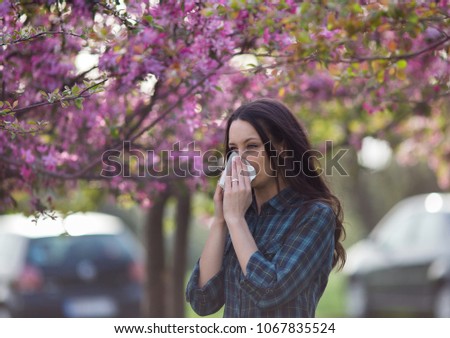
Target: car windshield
{"x":415,"y":231}
{"x":67,"y":250}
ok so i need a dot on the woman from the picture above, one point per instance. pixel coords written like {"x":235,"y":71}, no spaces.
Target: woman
{"x":273,"y":240}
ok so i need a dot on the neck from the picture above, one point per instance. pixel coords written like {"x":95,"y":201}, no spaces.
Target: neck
{"x":265,"y":193}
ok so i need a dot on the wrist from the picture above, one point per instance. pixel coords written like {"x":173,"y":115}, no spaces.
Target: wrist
{"x":235,"y":221}
{"x":218,"y":222}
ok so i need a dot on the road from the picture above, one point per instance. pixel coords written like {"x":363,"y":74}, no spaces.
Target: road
{"x":3,"y":313}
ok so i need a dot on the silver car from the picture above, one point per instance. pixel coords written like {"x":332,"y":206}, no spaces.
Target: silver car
{"x":403,"y":267}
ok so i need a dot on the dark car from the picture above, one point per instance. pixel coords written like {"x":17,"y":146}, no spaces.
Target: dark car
{"x":85,"y":265}
{"x":403,"y":266}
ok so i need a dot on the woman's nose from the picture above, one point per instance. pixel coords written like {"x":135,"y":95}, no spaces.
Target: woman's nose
{"x":238,"y":152}
{"x":243,"y":153}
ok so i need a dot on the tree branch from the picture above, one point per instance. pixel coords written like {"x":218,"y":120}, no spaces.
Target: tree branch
{"x":38,"y":36}
{"x":62,"y":176}
{"x":394,"y":57}
{"x":46,"y":103}
{"x":143,"y":111}
{"x":126,"y":20}
{"x":82,"y":173}
{"x":171,"y":107}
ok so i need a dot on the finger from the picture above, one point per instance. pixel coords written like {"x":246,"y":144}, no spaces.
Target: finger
{"x":234,"y":172}
{"x":219,"y":190}
{"x":240,"y":172}
{"x":227,"y":182}
{"x":244,"y":179}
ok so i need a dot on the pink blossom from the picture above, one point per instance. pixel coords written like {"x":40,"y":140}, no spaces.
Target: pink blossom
{"x":160,"y":187}
{"x":5,"y":7}
{"x":50,"y":162}
{"x":368,"y":108}
{"x":27,"y":156}
{"x":26,"y":172}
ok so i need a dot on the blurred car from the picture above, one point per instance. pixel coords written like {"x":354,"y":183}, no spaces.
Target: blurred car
{"x":403,"y":266}
{"x":85,"y":265}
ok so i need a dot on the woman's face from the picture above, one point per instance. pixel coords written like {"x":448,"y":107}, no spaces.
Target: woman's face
{"x":244,"y":139}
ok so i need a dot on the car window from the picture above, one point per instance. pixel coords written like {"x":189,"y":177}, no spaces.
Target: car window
{"x":432,"y":230}
{"x":396,"y":231}
{"x":447,"y":227}
{"x":416,"y":231}
{"x":67,"y":250}
{"x":11,"y":253}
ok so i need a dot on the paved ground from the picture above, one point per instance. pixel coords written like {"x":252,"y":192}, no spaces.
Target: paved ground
{"x":3,"y":313}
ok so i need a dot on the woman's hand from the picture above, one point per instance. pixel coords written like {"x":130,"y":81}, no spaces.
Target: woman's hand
{"x":237,"y":195}
{"x":218,"y":205}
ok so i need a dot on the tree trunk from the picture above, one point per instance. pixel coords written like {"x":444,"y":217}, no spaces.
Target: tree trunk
{"x":183,"y":215}
{"x":154,"y":306}
{"x":361,"y":193}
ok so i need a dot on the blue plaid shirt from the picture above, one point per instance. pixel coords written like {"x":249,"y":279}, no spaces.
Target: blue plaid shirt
{"x":286,"y":276}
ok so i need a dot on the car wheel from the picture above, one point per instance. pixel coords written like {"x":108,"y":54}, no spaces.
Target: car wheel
{"x":357,"y":299}
{"x":442,"y":302}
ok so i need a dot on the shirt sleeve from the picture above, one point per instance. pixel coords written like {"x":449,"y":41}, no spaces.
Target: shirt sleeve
{"x":209,"y":298}
{"x":307,"y":250}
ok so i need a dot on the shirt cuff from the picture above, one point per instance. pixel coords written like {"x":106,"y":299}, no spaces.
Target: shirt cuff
{"x":202,"y":294}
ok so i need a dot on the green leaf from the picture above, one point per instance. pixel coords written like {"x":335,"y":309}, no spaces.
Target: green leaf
{"x":235,"y":5}
{"x":304,"y":7}
{"x":149,"y":19}
{"x":221,"y":10}
{"x":159,"y":27}
{"x":356,"y":8}
{"x":114,"y":132}
{"x":413,"y":18}
{"x":402,"y":64}
{"x":79,"y":103}
{"x":75,"y":90}
{"x":208,"y":12}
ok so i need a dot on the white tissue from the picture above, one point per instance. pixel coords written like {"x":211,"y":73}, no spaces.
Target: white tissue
{"x":250,"y":170}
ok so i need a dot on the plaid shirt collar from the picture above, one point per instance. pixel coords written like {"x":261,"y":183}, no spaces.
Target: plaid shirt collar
{"x":280,"y":201}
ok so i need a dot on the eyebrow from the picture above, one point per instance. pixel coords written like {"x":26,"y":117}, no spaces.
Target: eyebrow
{"x":246,"y":140}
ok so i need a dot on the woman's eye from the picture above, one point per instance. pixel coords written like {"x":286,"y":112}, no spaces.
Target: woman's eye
{"x":252,"y":146}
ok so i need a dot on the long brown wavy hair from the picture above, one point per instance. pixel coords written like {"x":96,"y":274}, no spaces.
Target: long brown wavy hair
{"x":276,"y":125}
